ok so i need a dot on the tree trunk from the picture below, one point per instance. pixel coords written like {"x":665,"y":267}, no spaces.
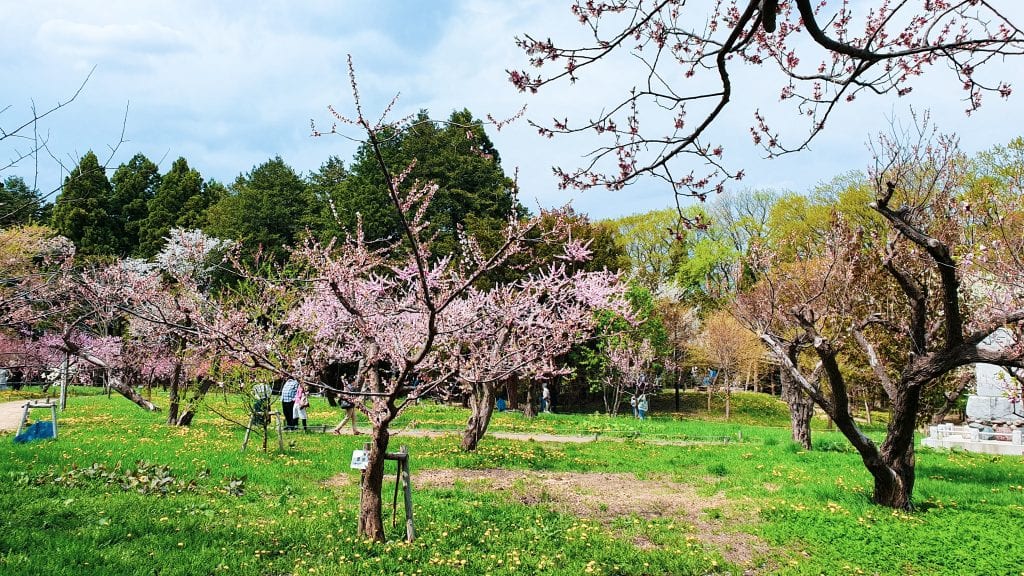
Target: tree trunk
{"x":801,"y":409}
{"x":894,"y":480}
{"x":677,"y":386}
{"x":894,"y":485}
{"x":130,"y":393}
{"x":728,"y":398}
{"x":616,"y":403}
{"x":371,"y":522}
{"x":172,"y":396}
{"x":528,"y":410}
{"x":186,"y":416}
{"x":512,"y":392}
{"x":481,"y":404}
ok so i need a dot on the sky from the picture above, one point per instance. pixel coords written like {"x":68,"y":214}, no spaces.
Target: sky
{"x":231,"y":84}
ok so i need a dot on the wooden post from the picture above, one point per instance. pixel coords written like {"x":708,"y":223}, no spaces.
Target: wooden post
{"x":64,"y":384}
{"x":410,"y":530}
{"x":280,"y":433}
{"x":252,"y":422}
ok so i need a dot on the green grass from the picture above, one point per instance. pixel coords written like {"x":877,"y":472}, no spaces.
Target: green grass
{"x":296,"y":513}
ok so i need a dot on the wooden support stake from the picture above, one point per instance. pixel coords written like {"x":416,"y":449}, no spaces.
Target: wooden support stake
{"x":402,"y":458}
{"x":252,"y":422}
{"x":410,"y":530}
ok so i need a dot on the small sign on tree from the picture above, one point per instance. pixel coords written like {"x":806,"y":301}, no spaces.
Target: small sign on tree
{"x":360,"y":459}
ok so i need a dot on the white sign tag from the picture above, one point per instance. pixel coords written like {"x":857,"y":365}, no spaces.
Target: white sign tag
{"x":360,"y":459}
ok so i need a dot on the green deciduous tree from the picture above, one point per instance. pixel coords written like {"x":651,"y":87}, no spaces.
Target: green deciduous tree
{"x":649,"y":240}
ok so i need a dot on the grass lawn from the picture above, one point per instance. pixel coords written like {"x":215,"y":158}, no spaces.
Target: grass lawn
{"x":625,"y":504}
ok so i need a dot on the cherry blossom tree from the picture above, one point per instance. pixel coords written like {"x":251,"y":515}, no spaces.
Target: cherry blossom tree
{"x":819,"y":277}
{"x":520,"y":329}
{"x":160,"y":300}
{"x":412,"y":322}
{"x":77,"y":313}
{"x":682,"y":63}
{"x":629,"y":366}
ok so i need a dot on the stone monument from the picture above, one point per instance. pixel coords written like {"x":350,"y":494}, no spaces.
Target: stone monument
{"x":995,"y":413}
{"x":996,"y":400}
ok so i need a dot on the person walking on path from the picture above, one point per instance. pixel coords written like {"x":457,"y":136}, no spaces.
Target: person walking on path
{"x":301,"y":403}
{"x":350,"y":415}
{"x":288,"y":392}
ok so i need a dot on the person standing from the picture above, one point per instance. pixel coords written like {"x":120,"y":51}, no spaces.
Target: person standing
{"x":545,"y":398}
{"x":632,"y":404}
{"x":261,"y":402}
{"x":288,"y":392}
{"x":641,"y":406}
{"x":301,"y":403}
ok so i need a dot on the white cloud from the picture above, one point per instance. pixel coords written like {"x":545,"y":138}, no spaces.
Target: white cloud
{"x":228,"y":85}
{"x":64,"y":38}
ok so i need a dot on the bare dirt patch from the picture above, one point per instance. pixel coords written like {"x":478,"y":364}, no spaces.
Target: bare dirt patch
{"x":605,"y":497}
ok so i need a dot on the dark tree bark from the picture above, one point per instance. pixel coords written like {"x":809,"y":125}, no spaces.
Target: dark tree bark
{"x":173,"y":401}
{"x":481,"y":405}
{"x":936,"y":341}
{"x":512,"y":391}
{"x":192,"y":405}
{"x":371,"y":523}
{"x":801,"y":409}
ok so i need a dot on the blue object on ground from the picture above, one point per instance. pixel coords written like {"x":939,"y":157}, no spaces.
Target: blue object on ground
{"x":37,"y":431}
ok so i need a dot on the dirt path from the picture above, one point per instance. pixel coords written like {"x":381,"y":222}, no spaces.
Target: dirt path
{"x":565,"y":438}
{"x":10,"y":414}
{"x":523,"y":436}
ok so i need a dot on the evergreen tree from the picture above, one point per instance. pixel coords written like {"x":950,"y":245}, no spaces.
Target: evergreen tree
{"x":135,"y":184}
{"x":19,"y":204}
{"x":82,"y":211}
{"x":180,"y":201}
{"x":457,"y":155}
{"x":267,"y":209}
{"x":326,"y":186}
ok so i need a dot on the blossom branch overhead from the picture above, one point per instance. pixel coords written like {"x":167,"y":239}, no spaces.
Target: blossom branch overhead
{"x":688,"y":56}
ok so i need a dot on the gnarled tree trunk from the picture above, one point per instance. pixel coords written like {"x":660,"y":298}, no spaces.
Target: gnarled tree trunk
{"x":128,"y":392}
{"x":894,"y":487}
{"x":801,"y":409}
{"x":481,"y":405}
